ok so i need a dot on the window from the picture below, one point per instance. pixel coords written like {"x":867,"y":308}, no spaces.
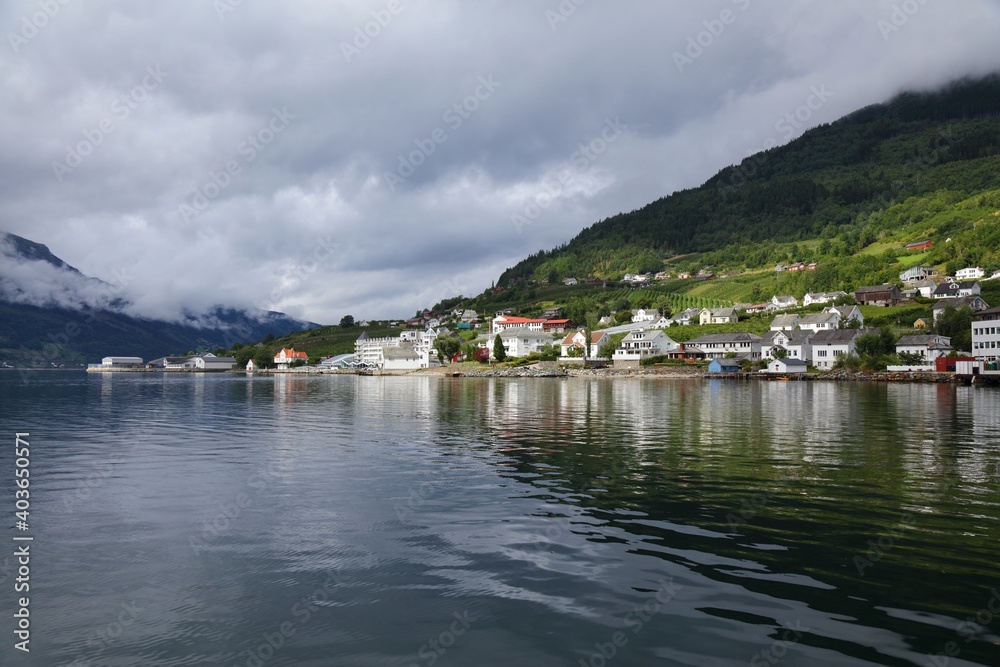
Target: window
{"x":820,"y":353}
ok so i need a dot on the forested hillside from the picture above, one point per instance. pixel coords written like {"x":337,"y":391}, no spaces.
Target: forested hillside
{"x":848,"y":195}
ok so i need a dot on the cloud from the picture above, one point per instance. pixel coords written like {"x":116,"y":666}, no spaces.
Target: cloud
{"x":278,"y":129}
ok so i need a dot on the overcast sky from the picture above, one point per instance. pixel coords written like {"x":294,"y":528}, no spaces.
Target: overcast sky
{"x":324,"y":158}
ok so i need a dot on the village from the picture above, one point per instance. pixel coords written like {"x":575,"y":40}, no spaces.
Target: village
{"x":796,"y":342}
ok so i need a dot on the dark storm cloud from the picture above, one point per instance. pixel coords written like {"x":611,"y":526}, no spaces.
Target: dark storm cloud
{"x":324,"y":158}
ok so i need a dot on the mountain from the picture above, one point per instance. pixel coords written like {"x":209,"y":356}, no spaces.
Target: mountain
{"x":52,"y":314}
{"x":841,"y":182}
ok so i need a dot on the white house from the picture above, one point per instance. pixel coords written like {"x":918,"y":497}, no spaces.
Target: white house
{"x":210,"y":362}
{"x":785,"y":322}
{"x":826,"y":345}
{"x":847,"y":313}
{"x":715,"y":346}
{"x":685,"y":316}
{"x":251,"y":366}
{"x":976,"y":303}
{"x":521,"y":342}
{"x":782,"y":302}
{"x":924,"y":287}
{"x":969,"y":273}
{"x":644,"y":315}
{"x":821,"y":297}
{"x":573,"y":344}
{"x":718,"y":316}
{"x":929,"y":346}
{"x":824,"y":321}
{"x":401,"y":358}
{"x":786,"y":366}
{"x":286,"y":356}
{"x":642,"y":344}
{"x":796,"y":344}
{"x":121,"y":362}
{"x":917,"y":273}
{"x":986,"y":335}
{"x":995,"y":276}
{"x":569,"y":281}
{"x":502,"y":322}
{"x":952,"y":290}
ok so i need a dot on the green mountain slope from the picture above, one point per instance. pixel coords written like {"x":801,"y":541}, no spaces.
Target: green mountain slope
{"x":921,"y":165}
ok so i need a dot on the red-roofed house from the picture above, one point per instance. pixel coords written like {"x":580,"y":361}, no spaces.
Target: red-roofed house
{"x":556,"y":326}
{"x":572,"y":344}
{"x":501,"y":322}
{"x":288,"y":355}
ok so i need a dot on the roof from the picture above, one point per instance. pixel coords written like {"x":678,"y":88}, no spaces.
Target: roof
{"x":819,"y":318}
{"x":795,"y":337}
{"x":399,"y":352}
{"x":836,"y":336}
{"x":921,"y":339}
{"x":739,"y":337}
{"x":723,"y":312}
{"x":511,"y":319}
{"x":291,"y":353}
{"x":868,"y":289}
{"x":785,"y":321}
{"x":516,"y":332}
{"x":726,"y":363}
{"x":225,"y":360}
{"x":958,"y":302}
{"x":791,"y":362}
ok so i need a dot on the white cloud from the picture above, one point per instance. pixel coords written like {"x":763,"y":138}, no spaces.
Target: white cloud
{"x":448,"y":225}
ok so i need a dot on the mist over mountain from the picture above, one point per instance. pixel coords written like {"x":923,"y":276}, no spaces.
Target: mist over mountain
{"x":52,"y":314}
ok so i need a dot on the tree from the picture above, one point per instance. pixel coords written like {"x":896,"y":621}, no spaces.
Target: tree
{"x":779,"y":353}
{"x":447,"y":347}
{"x":482,"y":355}
{"x":347,"y":321}
{"x":269,"y":338}
{"x":911,"y":358}
{"x":499,"y":353}
{"x":956,"y":323}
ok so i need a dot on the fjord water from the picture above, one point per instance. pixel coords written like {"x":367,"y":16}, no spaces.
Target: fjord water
{"x":339,"y":520}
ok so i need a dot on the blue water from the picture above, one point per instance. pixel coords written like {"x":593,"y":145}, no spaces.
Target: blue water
{"x":341,"y":520}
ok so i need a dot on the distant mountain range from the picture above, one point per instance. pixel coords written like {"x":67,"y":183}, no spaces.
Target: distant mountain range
{"x":51,"y":314}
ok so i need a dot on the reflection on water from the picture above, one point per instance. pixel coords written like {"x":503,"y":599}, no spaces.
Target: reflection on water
{"x":351,"y":520}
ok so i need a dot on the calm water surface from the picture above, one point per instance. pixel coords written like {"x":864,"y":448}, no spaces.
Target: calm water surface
{"x":223,"y":520}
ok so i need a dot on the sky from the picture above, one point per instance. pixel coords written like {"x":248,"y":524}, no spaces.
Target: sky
{"x":326,"y":158}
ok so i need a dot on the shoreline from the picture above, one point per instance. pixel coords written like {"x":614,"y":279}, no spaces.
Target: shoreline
{"x":538,"y":371}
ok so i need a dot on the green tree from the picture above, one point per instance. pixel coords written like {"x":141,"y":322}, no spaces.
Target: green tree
{"x":447,"y":347}
{"x":499,"y":353}
{"x":956,"y":323}
{"x":347,"y":321}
